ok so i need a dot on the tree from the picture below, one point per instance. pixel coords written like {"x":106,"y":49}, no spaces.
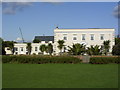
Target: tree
{"x":50,"y":48}
{"x":36,"y":41}
{"x":94,"y":50}
{"x":2,"y":47}
{"x":61,"y":45}
{"x":106,"y":46}
{"x":77,"y":49}
{"x":117,"y":40}
{"x":116,"y":49}
{"x":43,"y":48}
{"x":10,"y":44}
{"x":29,"y":48}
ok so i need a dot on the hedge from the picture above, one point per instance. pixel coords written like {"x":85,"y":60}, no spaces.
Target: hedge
{"x":40,"y":59}
{"x":104,"y":60}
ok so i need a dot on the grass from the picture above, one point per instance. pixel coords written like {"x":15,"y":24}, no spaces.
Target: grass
{"x":60,"y":76}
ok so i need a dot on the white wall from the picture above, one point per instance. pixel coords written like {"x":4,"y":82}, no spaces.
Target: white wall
{"x":33,"y":51}
{"x":70,"y":33}
{"x":8,"y":51}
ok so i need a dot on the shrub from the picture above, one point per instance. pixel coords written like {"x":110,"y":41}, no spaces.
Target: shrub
{"x":104,"y":60}
{"x":35,"y":59}
{"x":116,"y":49}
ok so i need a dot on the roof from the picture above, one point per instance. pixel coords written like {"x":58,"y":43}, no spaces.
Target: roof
{"x":45,"y":38}
{"x":83,"y":28}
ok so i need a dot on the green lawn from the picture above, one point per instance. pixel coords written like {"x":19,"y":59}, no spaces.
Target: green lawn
{"x":60,"y":76}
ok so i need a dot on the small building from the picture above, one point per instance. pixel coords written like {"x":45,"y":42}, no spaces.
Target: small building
{"x":21,"y":48}
{"x":8,"y":51}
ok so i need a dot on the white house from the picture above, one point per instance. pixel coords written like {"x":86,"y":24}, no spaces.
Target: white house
{"x":21,"y":48}
{"x":87,"y":37}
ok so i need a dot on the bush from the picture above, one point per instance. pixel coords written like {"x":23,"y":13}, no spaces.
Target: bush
{"x":116,"y":49}
{"x":35,"y":59}
{"x":104,"y":60}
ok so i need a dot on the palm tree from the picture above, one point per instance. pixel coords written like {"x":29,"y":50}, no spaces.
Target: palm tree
{"x":43,"y":48}
{"x":94,"y":50}
{"x":29,"y":48}
{"x":61,"y":45}
{"x":106,"y":46}
{"x":77,"y":49}
{"x":50,"y":48}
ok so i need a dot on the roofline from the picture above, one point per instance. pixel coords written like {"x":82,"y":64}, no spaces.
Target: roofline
{"x":45,"y":36}
{"x":84,"y":28}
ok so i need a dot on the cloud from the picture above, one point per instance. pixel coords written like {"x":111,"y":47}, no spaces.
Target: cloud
{"x":13,"y":7}
{"x":116,"y":12}
{"x":19,"y":39}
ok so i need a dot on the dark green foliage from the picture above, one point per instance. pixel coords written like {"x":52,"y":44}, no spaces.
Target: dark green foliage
{"x":50,"y":48}
{"x":36,"y":41}
{"x":3,"y":52}
{"x":77,"y":49}
{"x":43,"y":48}
{"x":94,"y":50}
{"x":116,"y":49}
{"x":9,"y":44}
{"x":104,"y":60}
{"x":117,"y":40}
{"x":29,"y":48}
{"x":61,"y":45}
{"x":106,"y":46}
{"x":2,"y":47}
{"x":40,"y":59}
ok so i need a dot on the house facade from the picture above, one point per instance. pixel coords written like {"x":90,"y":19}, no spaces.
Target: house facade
{"x":21,"y":48}
{"x":88,"y":37}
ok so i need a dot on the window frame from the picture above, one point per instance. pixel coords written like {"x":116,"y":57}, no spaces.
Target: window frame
{"x":101,"y":36}
{"x":83,"y":38}
{"x":92,"y":37}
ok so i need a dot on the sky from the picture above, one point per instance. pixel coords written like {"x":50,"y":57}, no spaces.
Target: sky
{"x":40,"y":18}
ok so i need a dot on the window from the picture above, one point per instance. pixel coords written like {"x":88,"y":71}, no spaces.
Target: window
{"x":21,"y":48}
{"x":64,"y":38}
{"x":92,"y":36}
{"x":16,"y":53}
{"x":102,"y":37}
{"x":35,"y":48}
{"x":26,"y":49}
{"x":74,"y":38}
{"x":8,"y":48}
{"x":83,"y":36}
{"x":16,"y":49}
{"x":26,"y":52}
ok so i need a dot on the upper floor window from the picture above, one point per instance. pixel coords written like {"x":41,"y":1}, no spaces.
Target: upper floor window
{"x":21,"y":48}
{"x":65,"y":37}
{"x":35,"y":48}
{"x":102,"y":37}
{"x":92,"y":36}
{"x":83,"y":36}
{"x":74,"y":38}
